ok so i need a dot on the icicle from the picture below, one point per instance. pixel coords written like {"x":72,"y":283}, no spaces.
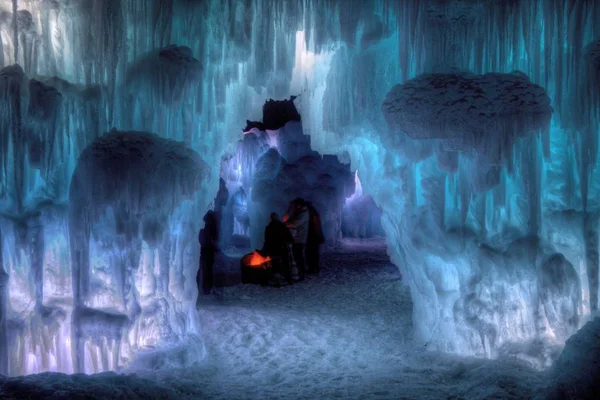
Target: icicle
{"x":15,"y":6}
{"x":37,"y":261}
{"x":465,"y":196}
{"x":591,"y":228}
{"x":4,"y":350}
{"x":531,"y":176}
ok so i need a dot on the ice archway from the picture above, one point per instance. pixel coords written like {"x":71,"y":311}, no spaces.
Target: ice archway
{"x":494,"y":260}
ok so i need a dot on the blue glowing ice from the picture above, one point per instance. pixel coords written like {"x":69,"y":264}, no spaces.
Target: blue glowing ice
{"x":493,"y":222}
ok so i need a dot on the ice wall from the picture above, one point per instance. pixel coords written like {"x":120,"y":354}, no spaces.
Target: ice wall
{"x":274,"y":163}
{"x":361,"y":218}
{"x":192,"y":71}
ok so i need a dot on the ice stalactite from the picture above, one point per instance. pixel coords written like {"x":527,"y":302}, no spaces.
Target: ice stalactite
{"x":4,"y":356}
{"x":15,"y":29}
{"x":11,"y":87}
{"x":361,"y":217}
{"x":591,"y":236}
{"x":43,"y":116}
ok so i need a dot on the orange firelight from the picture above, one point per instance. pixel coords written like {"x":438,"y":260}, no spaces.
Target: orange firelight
{"x":256,"y":260}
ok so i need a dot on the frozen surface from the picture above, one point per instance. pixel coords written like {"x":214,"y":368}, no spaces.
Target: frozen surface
{"x":506,"y":215}
{"x":344,"y":334}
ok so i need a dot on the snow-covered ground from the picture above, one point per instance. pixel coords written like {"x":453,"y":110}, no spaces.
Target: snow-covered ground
{"x":345,"y":334}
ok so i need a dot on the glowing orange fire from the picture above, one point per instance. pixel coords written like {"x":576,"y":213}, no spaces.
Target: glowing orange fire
{"x":256,"y":260}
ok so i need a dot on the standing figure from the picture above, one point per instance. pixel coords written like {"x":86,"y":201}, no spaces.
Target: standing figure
{"x":220,"y":205}
{"x":314,"y":241}
{"x":297,"y":221}
{"x":208,"y":238}
{"x":277,"y":241}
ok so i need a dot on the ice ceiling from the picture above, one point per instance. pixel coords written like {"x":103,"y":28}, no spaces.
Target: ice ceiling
{"x":473,"y":124}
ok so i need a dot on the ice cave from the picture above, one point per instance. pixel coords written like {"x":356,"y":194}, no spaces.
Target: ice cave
{"x":447,"y":150}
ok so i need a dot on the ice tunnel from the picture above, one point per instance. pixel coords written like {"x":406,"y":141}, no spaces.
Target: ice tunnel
{"x":273,"y":164}
{"x":473,"y":126}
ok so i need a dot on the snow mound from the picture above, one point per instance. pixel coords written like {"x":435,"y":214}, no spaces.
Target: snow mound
{"x":187,"y":353}
{"x":577,"y":371}
{"x":467,"y":111}
{"x":106,"y":385}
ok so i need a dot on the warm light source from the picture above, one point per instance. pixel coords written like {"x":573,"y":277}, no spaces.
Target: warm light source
{"x":257,"y":261}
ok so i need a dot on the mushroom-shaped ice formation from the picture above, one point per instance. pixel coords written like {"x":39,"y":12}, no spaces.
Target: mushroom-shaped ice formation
{"x":143,"y":171}
{"x":141,"y":178}
{"x":44,"y":100}
{"x":484,"y":113}
{"x":167,"y":72}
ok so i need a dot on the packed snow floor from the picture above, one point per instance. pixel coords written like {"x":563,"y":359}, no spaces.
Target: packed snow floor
{"x":345,"y":334}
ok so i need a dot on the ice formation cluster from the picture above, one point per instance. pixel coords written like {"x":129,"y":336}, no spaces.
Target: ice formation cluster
{"x":273,"y":164}
{"x":473,"y":127}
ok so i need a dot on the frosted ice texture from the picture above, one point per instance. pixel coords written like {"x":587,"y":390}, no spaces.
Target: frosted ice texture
{"x":575,"y":373}
{"x":361,"y":218}
{"x":274,"y":164}
{"x":343,"y":60}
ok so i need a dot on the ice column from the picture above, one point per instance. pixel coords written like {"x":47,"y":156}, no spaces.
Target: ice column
{"x":124,"y":184}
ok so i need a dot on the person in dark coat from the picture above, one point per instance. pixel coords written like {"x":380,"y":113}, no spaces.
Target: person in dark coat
{"x":208,"y":238}
{"x":297,"y":221}
{"x":314,"y":240}
{"x":277,"y":241}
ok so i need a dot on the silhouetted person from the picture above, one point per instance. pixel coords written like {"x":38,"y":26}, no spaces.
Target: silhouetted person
{"x":208,"y":238}
{"x":277,"y":240}
{"x":314,"y":240}
{"x":298,"y":223}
